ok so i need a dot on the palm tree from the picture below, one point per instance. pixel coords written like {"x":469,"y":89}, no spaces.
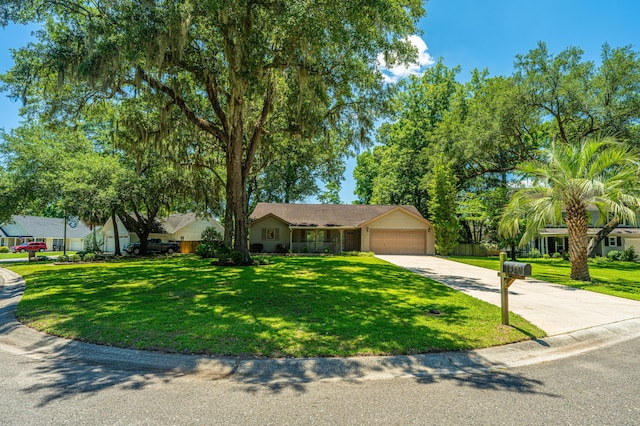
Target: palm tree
{"x":572,"y":177}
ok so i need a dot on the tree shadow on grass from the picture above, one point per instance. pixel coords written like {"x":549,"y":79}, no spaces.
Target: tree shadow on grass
{"x":298,"y":307}
{"x":66,"y":368}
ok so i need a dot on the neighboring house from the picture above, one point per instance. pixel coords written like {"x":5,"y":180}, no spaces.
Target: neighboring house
{"x":44,"y":229}
{"x":554,"y":239}
{"x":184,"y":228}
{"x":319,"y":228}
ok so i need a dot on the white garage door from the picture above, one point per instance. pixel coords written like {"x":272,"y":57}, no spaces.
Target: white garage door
{"x":398,"y":242}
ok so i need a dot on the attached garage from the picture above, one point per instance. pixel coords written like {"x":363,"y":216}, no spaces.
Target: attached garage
{"x":398,"y":241}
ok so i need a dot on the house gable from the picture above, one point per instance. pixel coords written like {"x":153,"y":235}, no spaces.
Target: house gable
{"x":269,"y":231}
{"x":398,"y":218}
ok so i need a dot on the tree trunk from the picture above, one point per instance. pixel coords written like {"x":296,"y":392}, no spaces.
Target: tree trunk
{"x":577,"y":227}
{"x":228,"y":216}
{"x":601,"y":235}
{"x":236,"y":180}
{"x":116,"y":234}
{"x":237,"y":194}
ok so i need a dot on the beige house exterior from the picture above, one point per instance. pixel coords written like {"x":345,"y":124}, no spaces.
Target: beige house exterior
{"x":332,"y":228}
{"x":555,"y":239}
{"x":184,"y":228}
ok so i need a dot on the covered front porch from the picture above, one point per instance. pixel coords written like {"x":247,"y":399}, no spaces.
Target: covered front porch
{"x":323,"y":240}
{"x":552,"y":244}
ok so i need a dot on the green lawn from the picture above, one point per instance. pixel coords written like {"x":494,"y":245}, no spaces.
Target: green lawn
{"x":614,"y":278}
{"x":296,"y":306}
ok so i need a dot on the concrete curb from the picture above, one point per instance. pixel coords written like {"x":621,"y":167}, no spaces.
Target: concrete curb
{"x":21,"y":340}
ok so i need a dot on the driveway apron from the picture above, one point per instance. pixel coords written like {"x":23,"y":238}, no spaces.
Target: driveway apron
{"x":555,"y":308}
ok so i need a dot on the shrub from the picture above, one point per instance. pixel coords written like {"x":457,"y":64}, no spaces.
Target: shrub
{"x":236,"y":257}
{"x":256,"y":248}
{"x":92,"y":245}
{"x":614,"y":255}
{"x":74,"y":258}
{"x":210,"y":235}
{"x":546,"y":256}
{"x":358,"y":253}
{"x":209,"y":250}
{"x":629,"y":255}
{"x":281,"y":248}
{"x":534,"y":253}
{"x":223,"y":258}
{"x":89,"y":257}
{"x":63,"y":258}
{"x":206,"y":250}
{"x":557,"y":255}
{"x":490,"y":249}
{"x":4,"y":249}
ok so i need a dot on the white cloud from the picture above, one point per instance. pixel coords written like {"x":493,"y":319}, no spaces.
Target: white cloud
{"x":399,"y":71}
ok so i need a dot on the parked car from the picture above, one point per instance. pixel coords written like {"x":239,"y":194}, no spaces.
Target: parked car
{"x":153,"y":245}
{"x":32,"y":246}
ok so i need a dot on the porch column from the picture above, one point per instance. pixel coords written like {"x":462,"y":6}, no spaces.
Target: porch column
{"x":291,"y":239}
{"x":341,"y":241}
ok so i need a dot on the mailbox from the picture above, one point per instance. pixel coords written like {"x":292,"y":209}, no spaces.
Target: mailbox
{"x":517,"y":268}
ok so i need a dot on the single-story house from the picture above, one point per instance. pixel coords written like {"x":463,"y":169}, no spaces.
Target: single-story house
{"x":184,"y":228}
{"x":49,"y":230}
{"x":332,"y":228}
{"x":554,"y":239}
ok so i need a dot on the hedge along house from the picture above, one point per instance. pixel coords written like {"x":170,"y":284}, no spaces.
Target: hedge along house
{"x":49,"y":230}
{"x":184,"y":228}
{"x":332,"y":228}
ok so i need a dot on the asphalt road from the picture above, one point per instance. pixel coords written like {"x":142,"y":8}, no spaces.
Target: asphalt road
{"x":599,"y":387}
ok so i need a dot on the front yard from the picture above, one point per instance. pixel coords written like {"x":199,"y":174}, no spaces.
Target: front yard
{"x":613,"y":278}
{"x":294,"y":307}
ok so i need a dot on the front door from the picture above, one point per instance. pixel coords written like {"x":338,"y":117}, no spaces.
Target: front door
{"x":351,"y":241}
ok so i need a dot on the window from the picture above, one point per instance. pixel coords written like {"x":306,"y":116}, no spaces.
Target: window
{"x":613,"y":241}
{"x":311,"y":236}
{"x":270,"y":234}
{"x":58,"y":244}
{"x":559,"y":244}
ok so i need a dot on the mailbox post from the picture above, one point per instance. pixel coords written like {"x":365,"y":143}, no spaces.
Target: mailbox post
{"x":509,"y":272}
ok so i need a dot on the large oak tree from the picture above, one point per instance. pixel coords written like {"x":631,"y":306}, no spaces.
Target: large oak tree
{"x":227,"y":64}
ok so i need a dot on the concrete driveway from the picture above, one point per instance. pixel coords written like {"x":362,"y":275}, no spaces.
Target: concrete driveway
{"x":556,"y":309}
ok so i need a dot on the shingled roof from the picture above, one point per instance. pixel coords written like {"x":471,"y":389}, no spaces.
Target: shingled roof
{"x":42,"y":227}
{"x":325,"y":215}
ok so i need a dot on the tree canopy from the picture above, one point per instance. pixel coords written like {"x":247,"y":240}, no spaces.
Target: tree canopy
{"x":230,"y":67}
{"x":487,"y":126}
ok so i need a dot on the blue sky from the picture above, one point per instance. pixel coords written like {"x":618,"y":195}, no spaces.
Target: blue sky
{"x":470,"y":33}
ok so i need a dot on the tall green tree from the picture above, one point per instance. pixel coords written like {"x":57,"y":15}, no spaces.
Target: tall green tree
{"x":572,"y":177}
{"x":35,"y":162}
{"x":480,"y":127}
{"x":399,"y":166}
{"x":222,"y":64}
{"x":441,"y":186}
{"x":578,"y":98}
